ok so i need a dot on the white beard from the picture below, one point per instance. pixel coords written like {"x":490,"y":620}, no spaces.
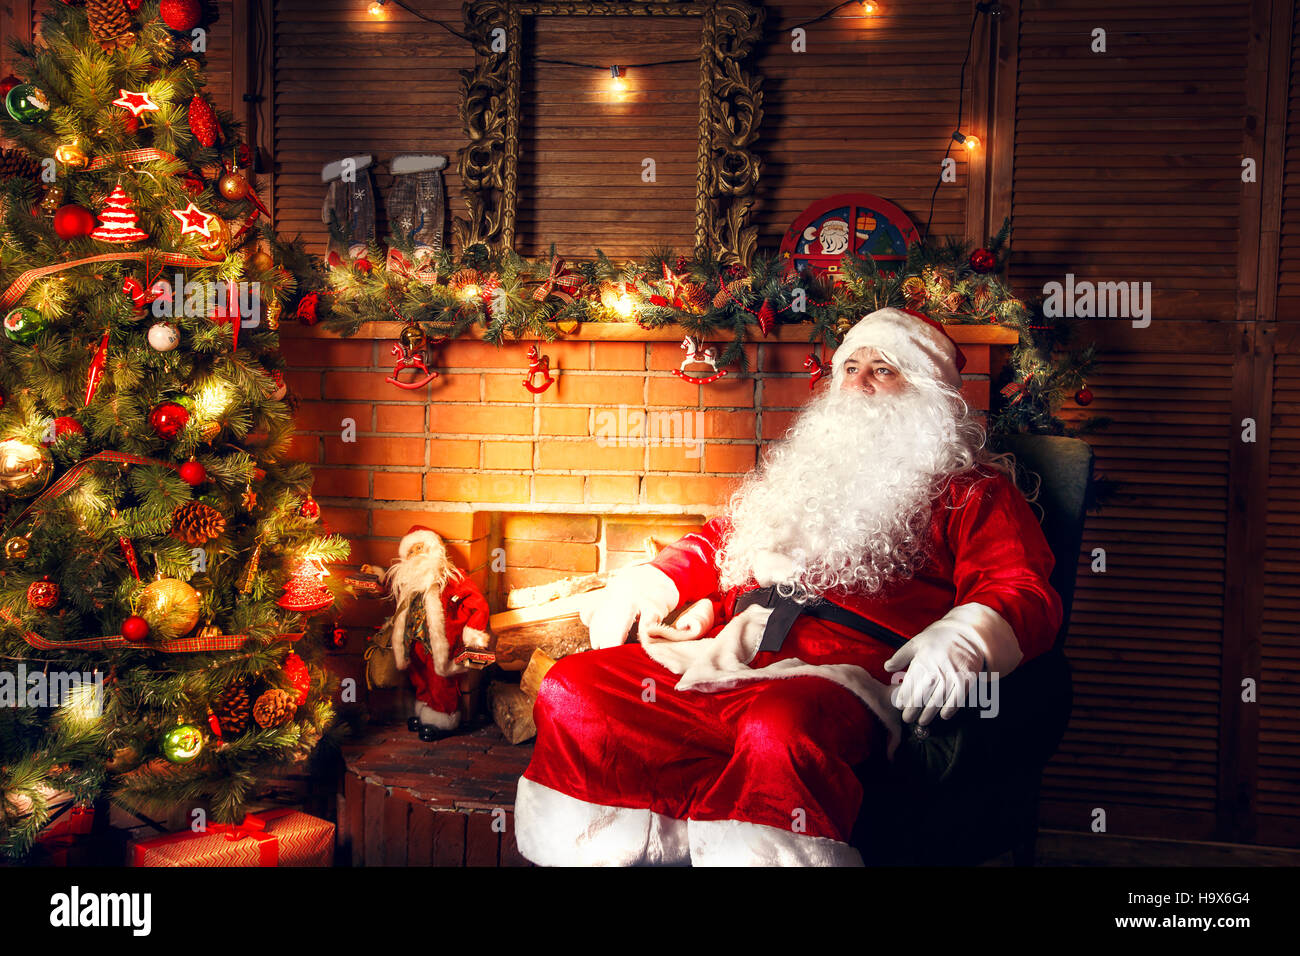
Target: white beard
{"x":847,"y":496}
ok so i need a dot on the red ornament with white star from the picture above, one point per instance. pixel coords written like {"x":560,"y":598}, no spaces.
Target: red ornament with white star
{"x":137,"y":103}
{"x":194,"y":220}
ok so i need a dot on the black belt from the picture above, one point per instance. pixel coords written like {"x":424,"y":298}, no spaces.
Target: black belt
{"x":786,"y":610}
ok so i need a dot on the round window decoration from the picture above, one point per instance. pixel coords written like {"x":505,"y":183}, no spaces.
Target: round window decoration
{"x":827,"y":230}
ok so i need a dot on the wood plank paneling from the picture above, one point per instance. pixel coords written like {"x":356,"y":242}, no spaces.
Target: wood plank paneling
{"x":1128,"y":162}
{"x":1288,"y":282}
{"x":870,"y":106}
{"x":1145,"y":636}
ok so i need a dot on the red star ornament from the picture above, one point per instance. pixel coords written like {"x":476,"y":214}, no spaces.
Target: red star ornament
{"x":137,"y":103}
{"x":194,"y":219}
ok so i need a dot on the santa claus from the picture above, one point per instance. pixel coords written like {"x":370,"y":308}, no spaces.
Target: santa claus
{"x":730,"y":736}
{"x":441,"y":621}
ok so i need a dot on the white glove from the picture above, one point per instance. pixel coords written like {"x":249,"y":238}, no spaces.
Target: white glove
{"x":944,"y":660}
{"x":689,"y":626}
{"x":772,"y":567}
{"x":639,"y":592}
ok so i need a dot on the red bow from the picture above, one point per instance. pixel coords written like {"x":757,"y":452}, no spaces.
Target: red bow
{"x":307,"y":308}
{"x":558,"y":276}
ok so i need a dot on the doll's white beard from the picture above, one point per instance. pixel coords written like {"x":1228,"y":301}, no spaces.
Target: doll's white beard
{"x":847,"y":496}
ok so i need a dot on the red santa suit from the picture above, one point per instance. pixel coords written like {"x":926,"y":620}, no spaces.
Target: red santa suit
{"x":434,"y":675}
{"x":684,"y":752}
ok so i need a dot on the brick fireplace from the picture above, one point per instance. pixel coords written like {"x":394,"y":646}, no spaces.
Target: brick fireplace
{"x":529,"y":488}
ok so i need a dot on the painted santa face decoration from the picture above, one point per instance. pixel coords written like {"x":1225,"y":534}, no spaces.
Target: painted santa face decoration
{"x":868,"y":371}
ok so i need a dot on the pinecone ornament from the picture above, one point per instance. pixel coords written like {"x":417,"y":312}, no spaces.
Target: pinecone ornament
{"x":230,"y":711}
{"x":914,"y":289}
{"x":982,"y":300}
{"x":197,"y":523}
{"x":15,"y":163}
{"x":274,"y":708}
{"x":110,"y":23}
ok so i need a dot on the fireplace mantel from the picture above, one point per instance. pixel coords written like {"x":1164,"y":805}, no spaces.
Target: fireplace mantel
{"x":631,"y":332}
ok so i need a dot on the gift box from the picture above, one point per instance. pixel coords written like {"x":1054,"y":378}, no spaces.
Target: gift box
{"x":270,"y":838}
{"x":61,"y":843}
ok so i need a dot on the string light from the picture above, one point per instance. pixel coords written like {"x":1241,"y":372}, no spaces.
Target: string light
{"x":969,"y":140}
{"x":869,"y":8}
{"x":377,"y":8}
{"x":470,"y":291}
{"x":616,"y":79}
{"x":625,"y":307}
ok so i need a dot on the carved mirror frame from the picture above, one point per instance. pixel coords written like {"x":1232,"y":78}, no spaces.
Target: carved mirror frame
{"x":730,"y":111}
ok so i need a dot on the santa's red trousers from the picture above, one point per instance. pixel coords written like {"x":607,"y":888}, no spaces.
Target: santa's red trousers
{"x":612,"y":730}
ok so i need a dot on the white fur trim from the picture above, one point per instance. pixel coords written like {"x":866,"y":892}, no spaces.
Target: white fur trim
{"x":400,"y":165}
{"x":475,"y":640}
{"x":722,"y":661}
{"x":914,"y":343}
{"x":335,"y":169}
{"x":555,"y":829}
{"x":739,"y":843}
{"x":436,"y":718}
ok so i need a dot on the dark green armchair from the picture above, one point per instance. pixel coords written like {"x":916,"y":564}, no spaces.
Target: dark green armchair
{"x":987,"y":803}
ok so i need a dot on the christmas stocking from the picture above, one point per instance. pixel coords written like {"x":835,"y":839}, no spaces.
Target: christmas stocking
{"x":417,"y":207}
{"x":349,"y":207}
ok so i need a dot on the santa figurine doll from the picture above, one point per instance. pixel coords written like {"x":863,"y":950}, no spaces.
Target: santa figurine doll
{"x":439,"y":631}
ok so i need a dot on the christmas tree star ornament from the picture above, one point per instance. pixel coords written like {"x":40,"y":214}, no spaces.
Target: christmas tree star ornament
{"x":194,"y":220}
{"x":137,"y":103}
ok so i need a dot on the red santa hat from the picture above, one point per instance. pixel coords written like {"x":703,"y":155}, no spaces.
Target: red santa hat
{"x":916,"y":342}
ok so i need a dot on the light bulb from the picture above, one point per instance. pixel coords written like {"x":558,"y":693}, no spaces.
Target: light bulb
{"x":869,"y":8}
{"x":616,"y":79}
{"x":624,"y":306}
{"x":470,"y":291}
{"x":972,"y":142}
{"x":377,"y":8}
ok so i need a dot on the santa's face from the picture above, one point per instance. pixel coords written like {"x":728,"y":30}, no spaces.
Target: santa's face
{"x":847,"y":495}
{"x":868,"y":371}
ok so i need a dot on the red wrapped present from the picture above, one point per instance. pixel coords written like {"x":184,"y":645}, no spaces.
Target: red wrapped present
{"x":269,"y":838}
{"x":61,"y":836}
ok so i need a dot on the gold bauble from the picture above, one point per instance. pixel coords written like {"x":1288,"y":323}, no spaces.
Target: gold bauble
{"x":273,"y":309}
{"x":71,"y":155}
{"x":170,"y":606}
{"x":260,"y":260}
{"x":16,"y":548}
{"x":24,"y":468}
{"x":232,"y":186}
{"x":412,"y":338}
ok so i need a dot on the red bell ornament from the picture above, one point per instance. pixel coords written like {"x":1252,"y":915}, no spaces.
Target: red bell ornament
{"x":168,"y":419}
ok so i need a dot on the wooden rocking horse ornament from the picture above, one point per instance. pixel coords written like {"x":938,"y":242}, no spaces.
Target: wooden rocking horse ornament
{"x":695,"y":355}
{"x":538,"y":364}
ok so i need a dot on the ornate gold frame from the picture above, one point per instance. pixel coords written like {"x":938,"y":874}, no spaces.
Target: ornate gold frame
{"x":731,"y":108}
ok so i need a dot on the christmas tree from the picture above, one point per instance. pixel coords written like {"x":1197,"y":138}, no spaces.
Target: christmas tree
{"x":160,"y":555}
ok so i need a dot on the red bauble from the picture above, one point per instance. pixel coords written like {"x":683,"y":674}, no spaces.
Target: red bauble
{"x":168,"y":419}
{"x":180,"y":15}
{"x":309,"y":509}
{"x":203,"y":121}
{"x":135,"y":629}
{"x":7,"y":84}
{"x":1083,"y":396}
{"x":43,"y":594}
{"x":298,"y":675}
{"x":70,"y":222}
{"x":363,"y":264}
{"x":192,"y":473}
{"x":983,"y":261}
{"x":131,"y":122}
